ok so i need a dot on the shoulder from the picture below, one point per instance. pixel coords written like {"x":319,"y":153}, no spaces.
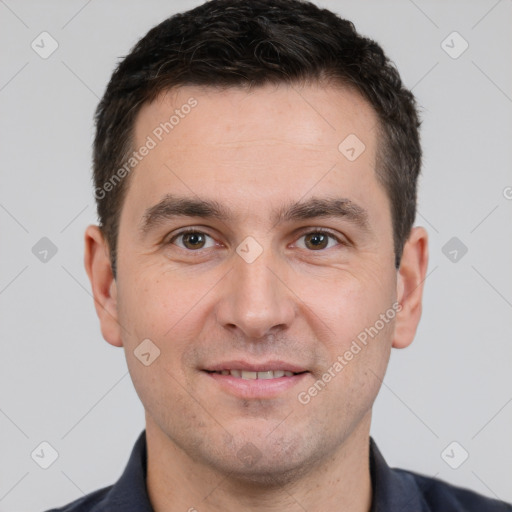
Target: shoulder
{"x":440,"y":496}
{"x":93,"y":502}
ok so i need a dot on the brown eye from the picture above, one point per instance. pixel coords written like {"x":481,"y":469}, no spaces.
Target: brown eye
{"x":316,"y":241}
{"x":191,"y":240}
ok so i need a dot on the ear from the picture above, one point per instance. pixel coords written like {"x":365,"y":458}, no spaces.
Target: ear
{"x":410,"y":278}
{"x":104,"y":288}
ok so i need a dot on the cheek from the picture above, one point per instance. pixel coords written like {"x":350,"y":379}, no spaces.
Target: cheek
{"x":161,"y":304}
{"x":357,"y":343}
{"x":155,"y":308}
{"x":171,"y":310}
{"x":350,"y":302}
{"x":356,"y":348}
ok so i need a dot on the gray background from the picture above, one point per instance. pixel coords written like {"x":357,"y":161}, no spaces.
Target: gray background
{"x":60,"y":382}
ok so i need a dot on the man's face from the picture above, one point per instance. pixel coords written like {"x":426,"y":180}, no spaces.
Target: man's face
{"x":287,"y":299}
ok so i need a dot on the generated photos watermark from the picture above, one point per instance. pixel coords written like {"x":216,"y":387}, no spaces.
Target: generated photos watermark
{"x":152,"y":141}
{"x":355,"y":348}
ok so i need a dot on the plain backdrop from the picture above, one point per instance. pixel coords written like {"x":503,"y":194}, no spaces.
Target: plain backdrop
{"x":61,"y":383}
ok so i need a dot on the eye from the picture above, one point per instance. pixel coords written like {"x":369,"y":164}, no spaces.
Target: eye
{"x":193,"y":240}
{"x":318,"y":240}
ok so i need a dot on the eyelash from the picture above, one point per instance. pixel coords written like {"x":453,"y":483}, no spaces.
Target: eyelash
{"x":316,"y":231}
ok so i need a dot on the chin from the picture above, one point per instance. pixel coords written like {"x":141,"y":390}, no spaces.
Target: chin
{"x":266,"y":475}
{"x":271,"y":465}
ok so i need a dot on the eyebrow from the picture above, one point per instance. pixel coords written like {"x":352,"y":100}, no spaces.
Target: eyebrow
{"x":172,"y":206}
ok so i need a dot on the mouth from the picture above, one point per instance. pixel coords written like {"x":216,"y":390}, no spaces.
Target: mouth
{"x":257,"y":375}
{"x":247,"y":380}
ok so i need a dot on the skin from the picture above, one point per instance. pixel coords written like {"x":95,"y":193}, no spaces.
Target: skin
{"x":255,"y":152}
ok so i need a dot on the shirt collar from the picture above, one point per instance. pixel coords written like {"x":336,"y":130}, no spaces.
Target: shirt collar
{"x":392,"y":490}
{"x":129,"y":493}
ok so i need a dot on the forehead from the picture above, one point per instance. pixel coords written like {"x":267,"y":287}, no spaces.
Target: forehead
{"x":315,"y":117}
{"x":272,"y":142}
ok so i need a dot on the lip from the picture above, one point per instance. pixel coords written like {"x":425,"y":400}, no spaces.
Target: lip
{"x":255,"y":367}
{"x":255,"y":388}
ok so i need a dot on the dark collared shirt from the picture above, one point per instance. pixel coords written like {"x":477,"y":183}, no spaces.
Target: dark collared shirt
{"x":394,"y":490}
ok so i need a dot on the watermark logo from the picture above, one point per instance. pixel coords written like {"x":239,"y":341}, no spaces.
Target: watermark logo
{"x":454,"y":45}
{"x":44,"y":250}
{"x":351,"y":147}
{"x":147,"y":352}
{"x":44,"y":45}
{"x":249,"y":454}
{"x":454,"y":249}
{"x":249,"y":249}
{"x":44,"y":455}
{"x":454,"y":455}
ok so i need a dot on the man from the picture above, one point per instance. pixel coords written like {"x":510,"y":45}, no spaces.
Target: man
{"x":255,"y":168}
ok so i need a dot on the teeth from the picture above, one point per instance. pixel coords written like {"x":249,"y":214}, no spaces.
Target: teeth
{"x":248,"y":375}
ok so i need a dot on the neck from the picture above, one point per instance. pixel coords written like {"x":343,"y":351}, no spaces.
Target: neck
{"x":175,"y":482}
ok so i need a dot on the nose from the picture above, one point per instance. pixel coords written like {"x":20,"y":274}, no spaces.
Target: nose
{"x":255,"y":298}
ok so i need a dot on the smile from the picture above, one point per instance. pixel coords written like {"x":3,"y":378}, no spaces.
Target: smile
{"x":263,"y":375}
{"x":255,"y":380}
